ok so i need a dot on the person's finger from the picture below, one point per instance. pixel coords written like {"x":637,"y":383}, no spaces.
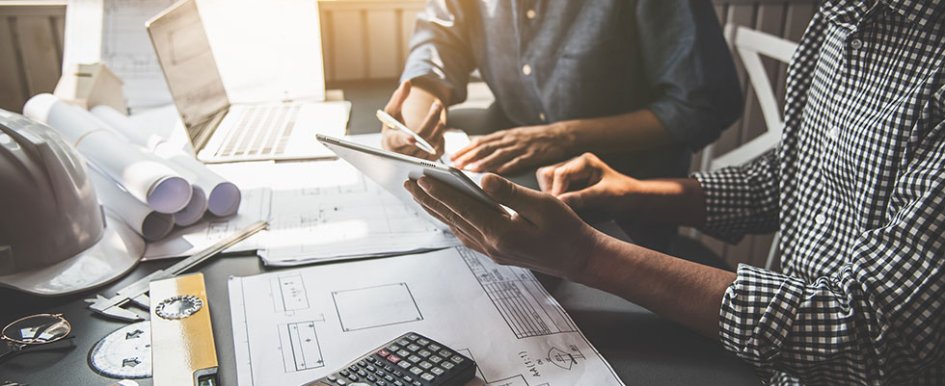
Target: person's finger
{"x":476,"y":143}
{"x":430,"y":122}
{"x":482,"y":150}
{"x":437,"y":209}
{"x":545,"y":175}
{"x":526,"y":202}
{"x":569,"y":174}
{"x":584,"y":198}
{"x":396,"y":102}
{"x":483,"y":218}
{"x":493,"y":161}
{"x":515,"y":165}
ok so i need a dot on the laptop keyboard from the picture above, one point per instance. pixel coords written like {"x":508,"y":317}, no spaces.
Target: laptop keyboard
{"x":262,"y":130}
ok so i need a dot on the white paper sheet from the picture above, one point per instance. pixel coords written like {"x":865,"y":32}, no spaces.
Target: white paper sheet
{"x":144,"y":175}
{"x":293,"y":326}
{"x":222,"y":197}
{"x":187,"y":241}
{"x":327,"y":210}
{"x":112,"y":32}
{"x":146,"y":222}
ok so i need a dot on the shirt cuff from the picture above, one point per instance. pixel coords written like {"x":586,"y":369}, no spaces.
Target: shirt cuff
{"x":757,"y":314}
{"x":429,"y":80}
{"x":726,"y":198}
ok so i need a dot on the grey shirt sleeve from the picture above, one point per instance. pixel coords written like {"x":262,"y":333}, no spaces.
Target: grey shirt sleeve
{"x":441,"y":57}
{"x":696,"y":92}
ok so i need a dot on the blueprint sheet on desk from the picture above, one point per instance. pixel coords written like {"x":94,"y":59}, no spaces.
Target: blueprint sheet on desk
{"x":293,"y":326}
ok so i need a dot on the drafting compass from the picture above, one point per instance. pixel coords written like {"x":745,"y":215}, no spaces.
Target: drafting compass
{"x":136,"y":293}
{"x":125,"y":353}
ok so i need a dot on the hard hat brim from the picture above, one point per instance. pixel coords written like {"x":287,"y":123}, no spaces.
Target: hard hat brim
{"x":118,"y":251}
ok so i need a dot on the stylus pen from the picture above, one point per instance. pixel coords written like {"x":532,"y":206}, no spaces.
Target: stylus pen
{"x":392,"y":123}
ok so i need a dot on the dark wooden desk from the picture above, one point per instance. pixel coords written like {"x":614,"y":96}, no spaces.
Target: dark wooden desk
{"x":643,"y":348}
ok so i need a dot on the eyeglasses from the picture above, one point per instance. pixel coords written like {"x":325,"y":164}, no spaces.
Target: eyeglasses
{"x":33,"y":331}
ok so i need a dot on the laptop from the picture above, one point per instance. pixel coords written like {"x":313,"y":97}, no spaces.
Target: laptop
{"x":282,"y":128}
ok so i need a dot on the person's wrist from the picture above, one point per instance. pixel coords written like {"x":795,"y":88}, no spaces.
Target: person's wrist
{"x":598,"y":254}
{"x":567,"y":134}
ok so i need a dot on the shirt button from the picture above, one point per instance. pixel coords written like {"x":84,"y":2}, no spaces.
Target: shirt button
{"x":820,"y":219}
{"x":834,"y":132}
{"x":527,"y":70}
{"x":856,"y":44}
{"x":530,"y":14}
{"x":541,"y":116}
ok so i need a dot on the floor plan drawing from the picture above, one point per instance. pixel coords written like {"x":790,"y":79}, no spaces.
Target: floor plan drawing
{"x":375,"y":306}
{"x":293,"y":326}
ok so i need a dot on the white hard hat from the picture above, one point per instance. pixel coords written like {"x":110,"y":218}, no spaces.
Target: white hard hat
{"x":55,"y":238}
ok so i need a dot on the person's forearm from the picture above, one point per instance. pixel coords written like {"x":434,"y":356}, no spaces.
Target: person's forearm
{"x":685,"y":292}
{"x":679,"y":201}
{"x":633,"y":131}
{"x":417,"y":106}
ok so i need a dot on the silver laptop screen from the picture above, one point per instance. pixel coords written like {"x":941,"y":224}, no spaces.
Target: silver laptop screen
{"x":183,"y":50}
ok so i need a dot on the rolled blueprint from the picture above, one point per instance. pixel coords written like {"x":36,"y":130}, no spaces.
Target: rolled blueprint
{"x":194,"y":210}
{"x":144,"y":175}
{"x":145,"y":221}
{"x":224,"y":196}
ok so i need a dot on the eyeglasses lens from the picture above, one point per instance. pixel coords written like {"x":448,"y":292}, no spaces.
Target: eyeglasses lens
{"x":37,"y":329}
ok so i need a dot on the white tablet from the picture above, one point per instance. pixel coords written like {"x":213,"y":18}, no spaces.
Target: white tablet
{"x":390,"y":170}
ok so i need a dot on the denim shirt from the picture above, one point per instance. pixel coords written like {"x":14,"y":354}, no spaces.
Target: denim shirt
{"x":549,"y":61}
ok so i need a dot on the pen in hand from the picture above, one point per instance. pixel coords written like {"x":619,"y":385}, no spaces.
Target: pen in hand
{"x":393,"y":123}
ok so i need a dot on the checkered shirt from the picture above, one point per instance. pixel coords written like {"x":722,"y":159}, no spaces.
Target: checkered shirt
{"x":857,"y":189}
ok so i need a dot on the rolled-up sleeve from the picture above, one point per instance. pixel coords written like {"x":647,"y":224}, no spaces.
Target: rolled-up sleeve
{"x":440,"y":58}
{"x":689,"y":68}
{"x":743,"y":199}
{"x":877,"y":318}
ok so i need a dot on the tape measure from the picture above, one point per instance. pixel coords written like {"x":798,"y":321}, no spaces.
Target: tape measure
{"x":125,"y":353}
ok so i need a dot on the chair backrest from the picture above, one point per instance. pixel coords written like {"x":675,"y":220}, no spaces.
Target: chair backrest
{"x":750,"y":45}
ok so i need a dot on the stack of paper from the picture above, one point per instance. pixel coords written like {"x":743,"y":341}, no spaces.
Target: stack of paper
{"x":293,"y":326}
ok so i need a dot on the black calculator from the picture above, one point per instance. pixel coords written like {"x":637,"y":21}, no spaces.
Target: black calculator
{"x":409,"y":360}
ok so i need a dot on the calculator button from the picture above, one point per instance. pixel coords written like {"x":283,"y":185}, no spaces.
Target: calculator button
{"x":437,"y":371}
{"x":417,"y":383}
{"x":388,"y":367}
{"x":403,"y":342}
{"x":445,"y":353}
{"x":393,"y":348}
{"x":435,"y":359}
{"x":393,"y":359}
{"x":381,"y":383}
{"x":424,"y":353}
{"x":388,"y":378}
{"x":332,"y":378}
{"x":344,"y":373}
{"x":457,"y":359}
{"x":361,"y":373}
{"x":423,"y":341}
{"x":383,"y":353}
{"x":414,"y":359}
{"x":425,"y":365}
{"x":371,"y":378}
{"x":342,"y":382}
{"x":447,"y":365}
{"x":353,"y":377}
{"x":398,"y":383}
{"x":416,"y":370}
{"x":403,"y":364}
{"x":403,"y":353}
{"x":408,"y":379}
{"x":412,"y":336}
{"x":427,"y":377}
{"x":370,"y":368}
{"x":413,"y":347}
{"x":434,"y":347}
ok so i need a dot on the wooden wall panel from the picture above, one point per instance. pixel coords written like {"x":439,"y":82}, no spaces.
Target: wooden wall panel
{"x":30,"y":50}
{"x":383,"y":44}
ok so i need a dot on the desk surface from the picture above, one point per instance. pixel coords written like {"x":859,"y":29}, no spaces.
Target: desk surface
{"x":642,"y":347}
